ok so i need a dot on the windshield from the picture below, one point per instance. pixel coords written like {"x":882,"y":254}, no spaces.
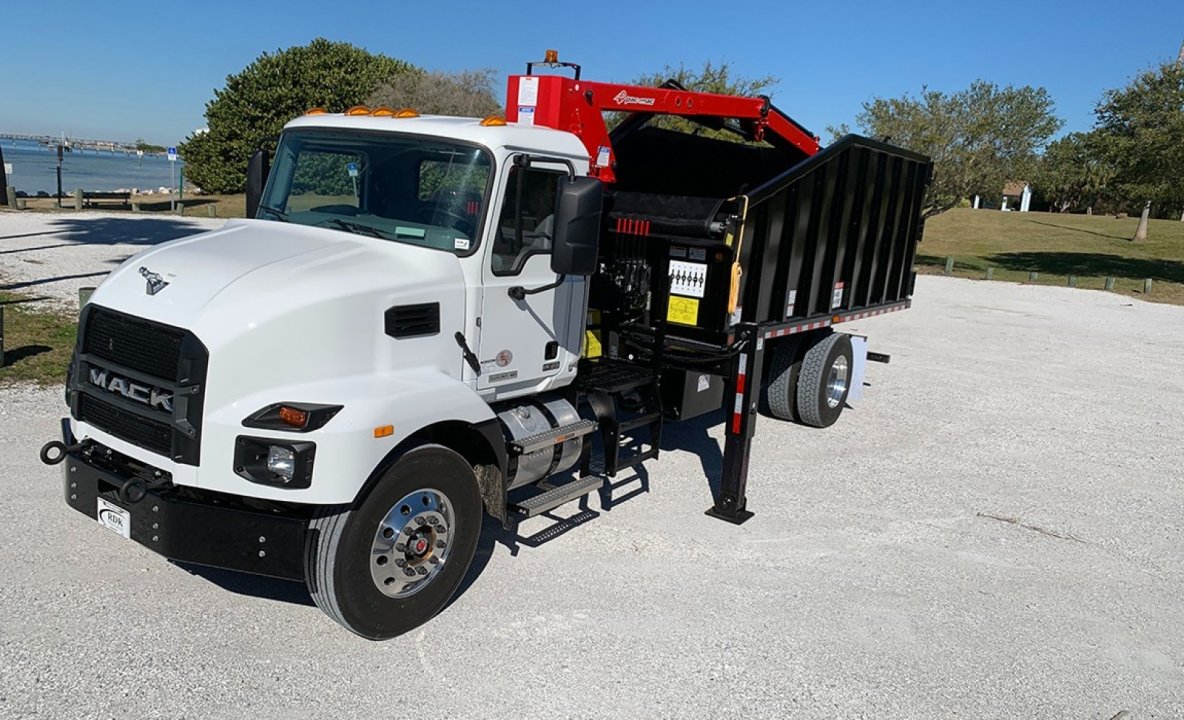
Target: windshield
{"x":403,"y":188}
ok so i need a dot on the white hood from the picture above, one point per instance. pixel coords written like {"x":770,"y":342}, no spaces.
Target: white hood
{"x":248,"y":259}
{"x":278,"y":303}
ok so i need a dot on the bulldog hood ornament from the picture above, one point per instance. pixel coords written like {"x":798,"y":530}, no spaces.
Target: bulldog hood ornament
{"x":155,"y":282}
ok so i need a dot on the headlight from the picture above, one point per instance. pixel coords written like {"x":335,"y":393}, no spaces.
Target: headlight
{"x":281,"y":461}
{"x":271,"y":461}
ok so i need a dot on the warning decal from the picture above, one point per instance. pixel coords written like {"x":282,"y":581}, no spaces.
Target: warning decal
{"x":528,"y":91}
{"x":683,"y":310}
{"x":688,"y":278}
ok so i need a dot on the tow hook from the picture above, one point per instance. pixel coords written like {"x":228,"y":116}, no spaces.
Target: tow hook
{"x":131,"y":490}
{"x":62,"y":448}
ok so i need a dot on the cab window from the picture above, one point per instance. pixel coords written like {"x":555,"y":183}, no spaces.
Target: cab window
{"x":527,"y":219}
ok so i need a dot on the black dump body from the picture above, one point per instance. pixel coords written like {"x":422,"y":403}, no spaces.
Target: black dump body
{"x":704,"y":234}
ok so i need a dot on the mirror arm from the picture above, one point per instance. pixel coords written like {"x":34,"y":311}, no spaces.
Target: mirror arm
{"x":519,"y":293}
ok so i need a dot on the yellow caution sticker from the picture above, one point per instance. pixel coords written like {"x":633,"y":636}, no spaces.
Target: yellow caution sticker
{"x":592,"y":347}
{"x":683,"y":310}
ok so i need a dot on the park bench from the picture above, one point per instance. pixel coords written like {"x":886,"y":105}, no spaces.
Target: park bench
{"x":89,"y":198}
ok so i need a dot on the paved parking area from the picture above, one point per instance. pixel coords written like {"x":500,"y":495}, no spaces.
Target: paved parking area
{"x":994,"y":531}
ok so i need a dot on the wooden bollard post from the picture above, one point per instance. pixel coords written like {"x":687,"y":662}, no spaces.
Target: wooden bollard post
{"x":1147,"y":286}
{"x":212,"y":210}
{"x":21,"y":204}
{"x":1033,"y":276}
{"x":1072,"y":281}
{"x":949,"y":265}
{"x":10,"y":196}
{"x":1110,"y":284}
{"x":78,"y":199}
{"x":990,"y":273}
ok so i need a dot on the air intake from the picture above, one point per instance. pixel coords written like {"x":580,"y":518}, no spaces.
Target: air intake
{"x":406,"y":321}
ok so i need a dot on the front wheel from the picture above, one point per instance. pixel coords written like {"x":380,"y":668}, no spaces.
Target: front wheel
{"x":388,"y":564}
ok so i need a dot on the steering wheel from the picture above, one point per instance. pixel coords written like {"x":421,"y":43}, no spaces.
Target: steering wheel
{"x":454,"y":219}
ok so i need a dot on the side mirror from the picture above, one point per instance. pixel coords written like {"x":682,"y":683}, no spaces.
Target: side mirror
{"x":257,"y":170}
{"x":577,"y":226}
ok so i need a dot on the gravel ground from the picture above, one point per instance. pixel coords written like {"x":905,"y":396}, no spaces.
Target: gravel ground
{"x":994,"y":532}
{"x":51,"y":256}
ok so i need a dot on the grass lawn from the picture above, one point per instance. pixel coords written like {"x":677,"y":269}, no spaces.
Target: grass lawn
{"x":37,"y":342}
{"x":223,"y":206}
{"x":1057,"y":246}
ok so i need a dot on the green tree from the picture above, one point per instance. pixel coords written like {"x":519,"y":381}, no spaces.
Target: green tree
{"x":257,"y":102}
{"x":1072,"y":174}
{"x":1140,"y":130}
{"x":149,"y":147}
{"x":979,"y":138}
{"x":468,"y":93}
{"x":711,"y":78}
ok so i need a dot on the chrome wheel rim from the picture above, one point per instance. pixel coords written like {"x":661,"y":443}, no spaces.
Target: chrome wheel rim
{"x":412,"y":543}
{"x":836,"y":382}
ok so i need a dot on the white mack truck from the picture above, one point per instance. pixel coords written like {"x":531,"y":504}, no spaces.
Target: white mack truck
{"x":428,"y":319}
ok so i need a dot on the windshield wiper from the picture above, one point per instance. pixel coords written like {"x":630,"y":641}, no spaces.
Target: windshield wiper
{"x":279,"y":214}
{"x":359,"y":229}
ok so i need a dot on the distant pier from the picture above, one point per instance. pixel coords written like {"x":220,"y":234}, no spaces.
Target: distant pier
{"x":111,"y":146}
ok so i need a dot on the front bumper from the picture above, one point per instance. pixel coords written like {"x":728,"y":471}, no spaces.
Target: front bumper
{"x":189,"y":526}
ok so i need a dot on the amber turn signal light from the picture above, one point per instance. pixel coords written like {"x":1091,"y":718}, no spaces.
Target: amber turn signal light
{"x":292,"y":416}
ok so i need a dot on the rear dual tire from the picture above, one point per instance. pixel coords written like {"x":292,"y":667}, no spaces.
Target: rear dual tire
{"x":808,"y":378}
{"x":824,"y":380}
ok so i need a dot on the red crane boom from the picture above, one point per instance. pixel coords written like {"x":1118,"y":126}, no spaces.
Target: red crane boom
{"x":578,"y":107}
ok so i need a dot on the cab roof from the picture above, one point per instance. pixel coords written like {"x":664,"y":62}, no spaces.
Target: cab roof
{"x":513,"y":136}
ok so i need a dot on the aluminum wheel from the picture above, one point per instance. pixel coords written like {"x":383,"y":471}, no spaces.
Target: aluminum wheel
{"x":412,"y":543}
{"x":836,"y":381}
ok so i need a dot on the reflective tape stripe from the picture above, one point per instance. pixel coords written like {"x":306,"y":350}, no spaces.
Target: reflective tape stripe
{"x":806,"y":327}
{"x":741,"y":384}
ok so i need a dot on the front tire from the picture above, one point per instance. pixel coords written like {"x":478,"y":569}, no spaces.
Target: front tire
{"x":825,"y":380}
{"x":389,"y":563}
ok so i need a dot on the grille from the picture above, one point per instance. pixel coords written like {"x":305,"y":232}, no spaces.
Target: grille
{"x":133,"y":343}
{"x":174,"y":361}
{"x":136,"y":429}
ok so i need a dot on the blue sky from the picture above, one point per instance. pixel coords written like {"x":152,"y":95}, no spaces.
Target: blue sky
{"x":121,"y":70}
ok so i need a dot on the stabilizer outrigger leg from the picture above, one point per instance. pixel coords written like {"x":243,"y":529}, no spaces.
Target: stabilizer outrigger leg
{"x":740,"y":406}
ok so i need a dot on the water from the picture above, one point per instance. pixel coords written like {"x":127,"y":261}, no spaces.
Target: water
{"x":34,"y":167}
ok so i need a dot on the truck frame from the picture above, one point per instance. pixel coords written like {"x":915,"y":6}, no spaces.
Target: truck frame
{"x":429,"y":318}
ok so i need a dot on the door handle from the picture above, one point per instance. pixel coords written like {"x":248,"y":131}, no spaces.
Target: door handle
{"x":519,"y":293}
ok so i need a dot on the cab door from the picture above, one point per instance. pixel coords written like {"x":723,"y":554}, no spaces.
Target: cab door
{"x":532,"y":344}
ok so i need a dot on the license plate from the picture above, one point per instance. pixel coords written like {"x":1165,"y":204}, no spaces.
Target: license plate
{"x":115,"y":518}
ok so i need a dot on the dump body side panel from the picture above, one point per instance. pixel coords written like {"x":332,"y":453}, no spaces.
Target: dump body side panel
{"x":833,"y":235}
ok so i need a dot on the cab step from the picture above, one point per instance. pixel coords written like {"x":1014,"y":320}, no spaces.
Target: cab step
{"x":558,"y":495}
{"x":554,"y":436}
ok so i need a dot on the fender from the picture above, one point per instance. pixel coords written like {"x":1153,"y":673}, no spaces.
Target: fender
{"x":380,"y":412}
